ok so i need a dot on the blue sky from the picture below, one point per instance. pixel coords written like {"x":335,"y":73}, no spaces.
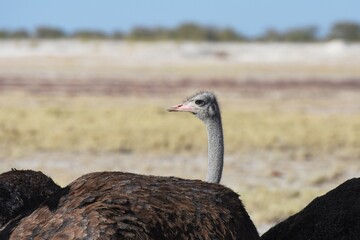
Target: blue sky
{"x":251,"y":17}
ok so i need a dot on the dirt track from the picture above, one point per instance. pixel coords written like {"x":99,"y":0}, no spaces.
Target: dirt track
{"x":130,"y":86}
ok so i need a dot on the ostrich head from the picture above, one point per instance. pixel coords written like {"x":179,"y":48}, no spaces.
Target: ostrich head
{"x":204,"y":105}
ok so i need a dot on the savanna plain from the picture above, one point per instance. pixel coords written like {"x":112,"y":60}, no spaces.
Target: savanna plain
{"x":291,"y":114}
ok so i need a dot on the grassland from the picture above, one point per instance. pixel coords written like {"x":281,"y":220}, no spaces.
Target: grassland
{"x":99,"y":124}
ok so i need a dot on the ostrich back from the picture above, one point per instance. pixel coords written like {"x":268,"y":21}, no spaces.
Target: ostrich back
{"x":333,"y":216}
{"x":23,"y":191}
{"x":116,"y":205}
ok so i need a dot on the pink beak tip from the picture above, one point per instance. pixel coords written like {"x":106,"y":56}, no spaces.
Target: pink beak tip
{"x":174,"y":108}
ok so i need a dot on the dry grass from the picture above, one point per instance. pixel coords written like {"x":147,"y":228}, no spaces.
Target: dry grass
{"x":267,"y":207}
{"x":99,"y":124}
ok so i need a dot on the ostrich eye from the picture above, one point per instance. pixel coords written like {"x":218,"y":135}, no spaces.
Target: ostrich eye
{"x":199,"y":102}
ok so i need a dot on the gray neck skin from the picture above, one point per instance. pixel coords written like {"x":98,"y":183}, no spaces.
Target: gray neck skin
{"x":215,"y":149}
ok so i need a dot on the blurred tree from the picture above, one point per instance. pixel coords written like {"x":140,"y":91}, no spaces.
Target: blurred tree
{"x":21,"y":33}
{"x":271,"y":35}
{"x":228,"y":34}
{"x":141,"y":33}
{"x":348,"y":31}
{"x":150,"y":34}
{"x":89,"y":34}
{"x":49,"y":32}
{"x":191,"y":31}
{"x":118,"y":35}
{"x":4,"y":34}
{"x":211,"y":34}
{"x":304,"y":34}
{"x":159,"y":33}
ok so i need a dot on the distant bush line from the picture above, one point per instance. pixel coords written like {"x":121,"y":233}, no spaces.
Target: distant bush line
{"x":347,"y":31}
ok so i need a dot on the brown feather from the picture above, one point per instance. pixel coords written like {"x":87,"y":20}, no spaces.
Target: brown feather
{"x":116,"y":205}
{"x":22,"y":191}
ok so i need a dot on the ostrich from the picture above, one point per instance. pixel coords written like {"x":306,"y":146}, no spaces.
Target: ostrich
{"x":333,"y":216}
{"x":117,"y":205}
{"x":23,"y":191}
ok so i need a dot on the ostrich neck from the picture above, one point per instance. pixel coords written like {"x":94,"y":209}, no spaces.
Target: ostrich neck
{"x":215,"y":150}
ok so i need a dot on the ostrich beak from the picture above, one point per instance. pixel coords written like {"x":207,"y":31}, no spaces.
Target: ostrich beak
{"x":181,"y":108}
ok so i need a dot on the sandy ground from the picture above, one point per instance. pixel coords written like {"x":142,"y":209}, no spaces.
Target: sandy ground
{"x":171,"y":60}
{"x":251,"y":170}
